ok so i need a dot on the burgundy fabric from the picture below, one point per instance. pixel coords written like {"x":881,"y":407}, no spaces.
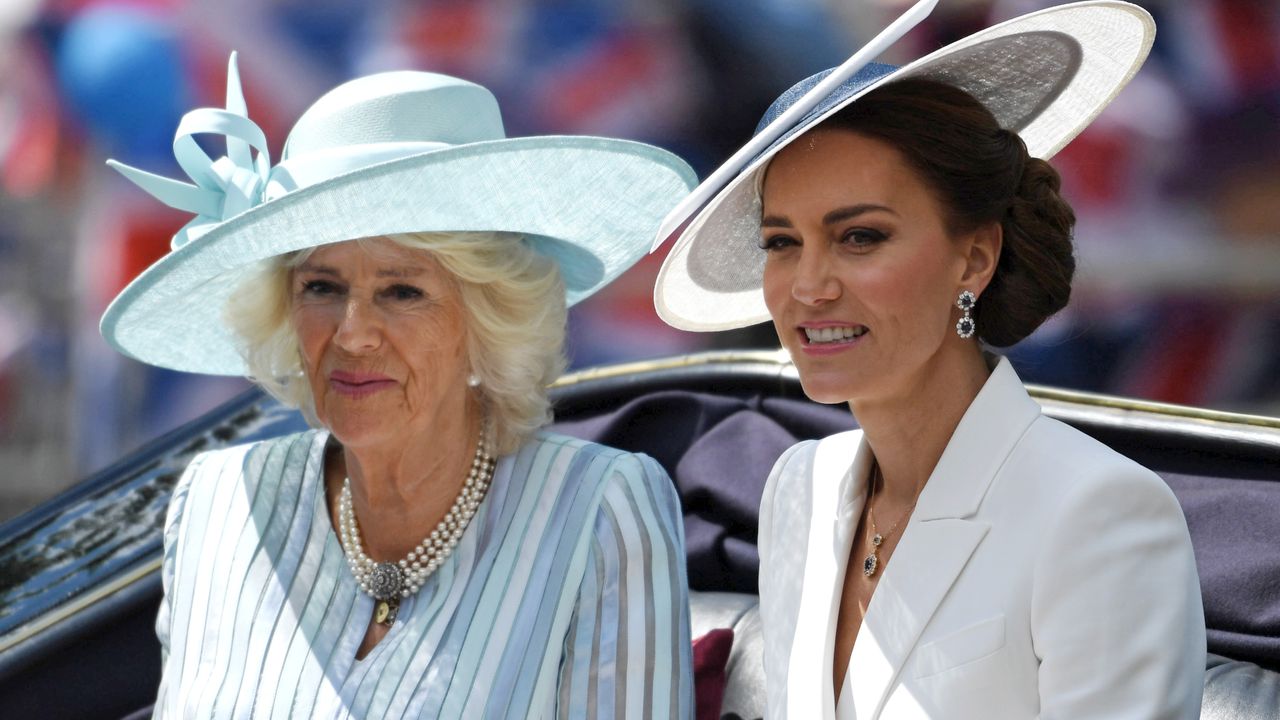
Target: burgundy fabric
{"x":710,"y":657}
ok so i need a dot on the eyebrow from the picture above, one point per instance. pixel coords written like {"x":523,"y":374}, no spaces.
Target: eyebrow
{"x":405,"y":272}
{"x":835,"y":216}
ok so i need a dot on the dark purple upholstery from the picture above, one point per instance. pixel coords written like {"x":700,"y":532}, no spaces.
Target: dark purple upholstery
{"x":1235,"y":530}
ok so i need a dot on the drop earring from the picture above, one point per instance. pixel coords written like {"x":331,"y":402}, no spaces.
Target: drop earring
{"x":965,"y":325}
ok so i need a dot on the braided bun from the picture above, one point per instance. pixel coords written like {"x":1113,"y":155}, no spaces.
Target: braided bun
{"x":1033,"y":278}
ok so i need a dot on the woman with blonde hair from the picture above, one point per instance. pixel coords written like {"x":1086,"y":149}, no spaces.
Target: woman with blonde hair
{"x":402,"y":276}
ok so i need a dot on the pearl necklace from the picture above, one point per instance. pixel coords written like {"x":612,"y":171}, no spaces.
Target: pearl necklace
{"x":389,"y":582}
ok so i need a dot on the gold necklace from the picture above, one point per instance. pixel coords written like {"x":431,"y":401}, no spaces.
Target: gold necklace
{"x":871,"y":563}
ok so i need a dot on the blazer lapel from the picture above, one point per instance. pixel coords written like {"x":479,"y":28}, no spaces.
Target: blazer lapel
{"x":938,"y":539}
{"x":927,"y":562}
{"x":839,"y":475}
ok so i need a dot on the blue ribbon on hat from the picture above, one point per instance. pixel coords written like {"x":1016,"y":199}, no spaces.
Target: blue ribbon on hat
{"x":224,"y":187}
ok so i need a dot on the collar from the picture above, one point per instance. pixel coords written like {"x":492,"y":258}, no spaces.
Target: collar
{"x":993,"y":424}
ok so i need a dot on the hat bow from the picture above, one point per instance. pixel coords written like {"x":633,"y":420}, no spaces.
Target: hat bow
{"x":222,"y":188}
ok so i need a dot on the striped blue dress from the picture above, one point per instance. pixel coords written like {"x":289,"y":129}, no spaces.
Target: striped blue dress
{"x":566,"y":596}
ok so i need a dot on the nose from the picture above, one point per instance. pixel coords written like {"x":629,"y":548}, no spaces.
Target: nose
{"x":814,"y":282}
{"x":360,"y":329}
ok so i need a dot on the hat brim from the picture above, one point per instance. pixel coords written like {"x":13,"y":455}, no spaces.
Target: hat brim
{"x":591,"y":204}
{"x":1045,"y":75}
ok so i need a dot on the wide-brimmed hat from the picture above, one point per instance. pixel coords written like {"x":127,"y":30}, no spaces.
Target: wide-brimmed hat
{"x":384,"y":154}
{"x":1045,"y":75}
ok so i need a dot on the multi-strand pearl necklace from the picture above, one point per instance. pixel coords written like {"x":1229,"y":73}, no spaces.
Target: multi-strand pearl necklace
{"x":389,"y":582}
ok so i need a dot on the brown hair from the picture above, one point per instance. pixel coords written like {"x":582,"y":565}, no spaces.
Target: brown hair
{"x":980,"y":173}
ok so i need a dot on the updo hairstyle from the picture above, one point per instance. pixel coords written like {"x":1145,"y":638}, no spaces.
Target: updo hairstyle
{"x":980,"y":173}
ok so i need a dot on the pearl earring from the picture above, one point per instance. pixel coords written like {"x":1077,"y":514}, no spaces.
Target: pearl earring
{"x":965,"y":325}
{"x":473,"y":380}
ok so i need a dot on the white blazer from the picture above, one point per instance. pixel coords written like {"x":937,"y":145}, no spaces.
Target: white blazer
{"x":1040,"y":575}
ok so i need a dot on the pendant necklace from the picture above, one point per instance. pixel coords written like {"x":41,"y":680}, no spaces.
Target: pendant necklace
{"x":871,"y":563}
{"x":390,"y":582}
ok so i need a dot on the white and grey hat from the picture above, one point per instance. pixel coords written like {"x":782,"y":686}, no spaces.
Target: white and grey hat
{"x":1045,"y":75}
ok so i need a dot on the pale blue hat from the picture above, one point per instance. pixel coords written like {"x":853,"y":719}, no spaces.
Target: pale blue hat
{"x":389,"y":153}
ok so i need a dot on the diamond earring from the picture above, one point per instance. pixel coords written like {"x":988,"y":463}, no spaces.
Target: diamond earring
{"x":965,"y":325}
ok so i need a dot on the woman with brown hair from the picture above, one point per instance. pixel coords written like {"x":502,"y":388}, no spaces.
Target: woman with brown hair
{"x":961,"y":555}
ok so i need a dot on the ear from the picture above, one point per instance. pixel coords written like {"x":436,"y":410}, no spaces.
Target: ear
{"x":981,"y":257}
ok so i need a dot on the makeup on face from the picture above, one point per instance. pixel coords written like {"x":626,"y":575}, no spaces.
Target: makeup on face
{"x":382,"y":332}
{"x":858,"y":267}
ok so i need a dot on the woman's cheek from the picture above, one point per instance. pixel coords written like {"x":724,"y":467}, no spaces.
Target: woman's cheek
{"x":308,"y":325}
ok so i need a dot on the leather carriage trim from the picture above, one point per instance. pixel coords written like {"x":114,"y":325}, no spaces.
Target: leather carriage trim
{"x":79,"y":604}
{"x":776,"y":360}
{"x":1182,"y":412}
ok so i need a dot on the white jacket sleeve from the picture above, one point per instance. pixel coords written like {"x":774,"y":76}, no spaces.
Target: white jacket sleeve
{"x":1116,"y":613}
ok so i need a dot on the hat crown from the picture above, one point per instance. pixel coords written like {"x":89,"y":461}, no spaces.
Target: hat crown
{"x":870,"y":73}
{"x":397,"y":107}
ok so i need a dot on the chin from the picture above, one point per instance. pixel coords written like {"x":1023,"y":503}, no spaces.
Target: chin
{"x":358,"y":431}
{"x":828,"y":390}
{"x":828,"y":382}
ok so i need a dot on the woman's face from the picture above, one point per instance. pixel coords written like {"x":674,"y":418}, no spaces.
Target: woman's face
{"x":861,"y":275}
{"x":383,"y":337}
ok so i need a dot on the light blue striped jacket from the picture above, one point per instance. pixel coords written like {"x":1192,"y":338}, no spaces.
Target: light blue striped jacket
{"x":565,"y":598}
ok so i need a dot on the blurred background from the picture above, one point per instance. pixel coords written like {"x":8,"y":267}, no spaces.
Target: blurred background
{"x":1177,"y":185}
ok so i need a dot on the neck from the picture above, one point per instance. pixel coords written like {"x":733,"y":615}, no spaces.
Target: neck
{"x":908,"y":431}
{"x":400,"y":491}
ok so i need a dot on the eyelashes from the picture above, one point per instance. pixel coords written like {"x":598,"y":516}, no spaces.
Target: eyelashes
{"x":328,"y":289}
{"x":864,"y":237}
{"x":318,"y":288}
{"x":776,"y":242}
{"x":403,"y":293}
{"x":858,"y":238}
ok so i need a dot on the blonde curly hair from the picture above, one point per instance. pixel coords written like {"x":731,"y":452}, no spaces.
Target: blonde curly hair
{"x":513,"y":298}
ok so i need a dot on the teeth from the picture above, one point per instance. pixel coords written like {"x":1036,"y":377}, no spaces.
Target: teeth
{"x":832,"y":334}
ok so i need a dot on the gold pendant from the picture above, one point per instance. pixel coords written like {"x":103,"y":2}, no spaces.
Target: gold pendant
{"x":385,"y":613}
{"x":871,"y":562}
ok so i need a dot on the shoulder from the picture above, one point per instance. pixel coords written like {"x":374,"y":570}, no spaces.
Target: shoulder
{"x":260,"y":454}
{"x":787,"y":500}
{"x":588,"y":460}
{"x":1069,"y":467}
{"x":1107,"y":543}
{"x":218,"y":487}
{"x":1085,"y":500}
{"x":591,"y":472}
{"x":249,"y":464}
{"x":796,"y":465}
{"x":623,"y":503}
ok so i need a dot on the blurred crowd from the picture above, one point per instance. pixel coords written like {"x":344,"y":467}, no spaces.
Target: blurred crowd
{"x":1177,"y":186}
